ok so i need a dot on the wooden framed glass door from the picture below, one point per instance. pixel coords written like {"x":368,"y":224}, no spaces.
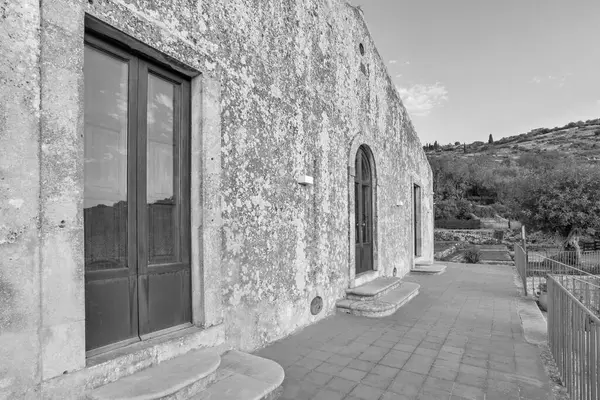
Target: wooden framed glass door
{"x":136,"y":197}
{"x":363,"y":213}
{"x":417,"y":219}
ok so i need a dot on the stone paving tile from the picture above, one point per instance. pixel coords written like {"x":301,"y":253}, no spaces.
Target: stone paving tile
{"x":377,"y":381}
{"x":341,"y":385}
{"x":460,"y":338}
{"x":328,"y":394}
{"x":355,"y":375}
{"x":365,"y":392}
{"x":361,"y":365}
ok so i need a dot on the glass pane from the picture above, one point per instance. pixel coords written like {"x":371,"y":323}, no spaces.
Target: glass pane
{"x":357,"y":211}
{"x":105,"y":170}
{"x":366,"y":192}
{"x":162,"y":176}
{"x":366,"y":174}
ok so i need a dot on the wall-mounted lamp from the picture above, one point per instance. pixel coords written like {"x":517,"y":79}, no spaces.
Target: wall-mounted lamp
{"x":306,"y":180}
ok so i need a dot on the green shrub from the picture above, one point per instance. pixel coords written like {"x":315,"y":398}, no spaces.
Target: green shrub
{"x":464,"y":209}
{"x":484,"y":211}
{"x":597,"y":132}
{"x":543,"y":287}
{"x":472,"y":256}
{"x":500,"y":209}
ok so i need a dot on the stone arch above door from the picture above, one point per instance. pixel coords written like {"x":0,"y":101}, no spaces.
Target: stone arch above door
{"x":361,"y":141}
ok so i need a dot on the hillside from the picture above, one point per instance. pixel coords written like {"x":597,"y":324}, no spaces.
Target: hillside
{"x":577,"y":139}
{"x":546,"y":178}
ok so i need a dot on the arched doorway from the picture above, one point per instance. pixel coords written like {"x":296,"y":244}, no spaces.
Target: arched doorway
{"x":363,"y":212}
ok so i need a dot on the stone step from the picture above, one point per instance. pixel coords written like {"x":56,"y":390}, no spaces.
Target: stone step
{"x":177,"y":378}
{"x":374,"y":289}
{"x":243,"y":376}
{"x":383,"y":306}
{"x":429,"y":269}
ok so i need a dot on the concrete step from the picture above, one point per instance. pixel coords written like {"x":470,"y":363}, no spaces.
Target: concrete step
{"x":374,"y":289}
{"x":243,"y":376}
{"x":177,"y":378}
{"x":428,"y":269}
{"x":382,"y":306}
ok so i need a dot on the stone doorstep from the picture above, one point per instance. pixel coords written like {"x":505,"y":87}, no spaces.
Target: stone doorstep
{"x":364,"y":278}
{"x":373,"y":289}
{"x":188,"y":373}
{"x":243,"y":376}
{"x":383,"y":306}
{"x":429,"y":269}
{"x":120,"y":363}
{"x":199,"y":375}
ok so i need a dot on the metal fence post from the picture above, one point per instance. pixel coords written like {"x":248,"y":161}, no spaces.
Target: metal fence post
{"x":526,"y":263}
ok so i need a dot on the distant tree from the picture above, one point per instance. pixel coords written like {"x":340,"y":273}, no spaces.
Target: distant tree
{"x":457,"y":143}
{"x":436,"y":145}
{"x":490,"y":139}
{"x":571,"y":243}
{"x":465,"y":148}
{"x":597,"y":132}
{"x":570,"y":125}
{"x":561,"y":199}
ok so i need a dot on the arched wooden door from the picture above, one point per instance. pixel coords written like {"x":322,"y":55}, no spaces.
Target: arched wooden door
{"x":363,"y":213}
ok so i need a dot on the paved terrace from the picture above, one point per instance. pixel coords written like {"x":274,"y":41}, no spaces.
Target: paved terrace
{"x":460,"y":338}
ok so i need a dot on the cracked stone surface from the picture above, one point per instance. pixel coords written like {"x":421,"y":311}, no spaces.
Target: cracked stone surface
{"x":461,"y":338}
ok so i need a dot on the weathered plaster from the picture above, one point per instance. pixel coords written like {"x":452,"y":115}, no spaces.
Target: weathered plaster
{"x":19,"y":191}
{"x":61,"y":189}
{"x":206,"y":202}
{"x":283,"y":92}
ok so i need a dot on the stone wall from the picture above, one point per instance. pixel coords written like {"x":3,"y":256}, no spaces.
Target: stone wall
{"x":296,"y":96}
{"x":475,"y":236}
{"x":494,"y":223}
{"x":19,"y":195}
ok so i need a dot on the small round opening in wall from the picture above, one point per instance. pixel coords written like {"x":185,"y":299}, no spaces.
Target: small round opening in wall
{"x":316,"y":305}
{"x":361,"y":48}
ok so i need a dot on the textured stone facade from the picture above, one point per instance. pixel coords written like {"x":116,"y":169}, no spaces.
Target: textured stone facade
{"x":283,"y":90}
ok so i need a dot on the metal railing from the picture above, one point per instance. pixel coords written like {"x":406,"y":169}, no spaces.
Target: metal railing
{"x":572,"y":283}
{"x":539,"y":266}
{"x":585,"y":289}
{"x":574,"y":334}
{"x":521,"y":263}
{"x":586,"y":260}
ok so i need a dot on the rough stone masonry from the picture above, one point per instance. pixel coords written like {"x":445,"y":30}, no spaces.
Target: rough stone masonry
{"x":284,"y":89}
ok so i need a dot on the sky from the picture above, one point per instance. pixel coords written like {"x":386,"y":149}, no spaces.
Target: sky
{"x":469,"y":68}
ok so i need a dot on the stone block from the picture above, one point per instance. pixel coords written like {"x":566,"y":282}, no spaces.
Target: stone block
{"x":20,"y":366}
{"x":63,"y":348}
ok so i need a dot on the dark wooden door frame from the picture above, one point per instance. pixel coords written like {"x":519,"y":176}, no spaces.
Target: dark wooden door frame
{"x":147,"y":271}
{"x":417,"y":216}
{"x":138,"y":271}
{"x":363,"y":212}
